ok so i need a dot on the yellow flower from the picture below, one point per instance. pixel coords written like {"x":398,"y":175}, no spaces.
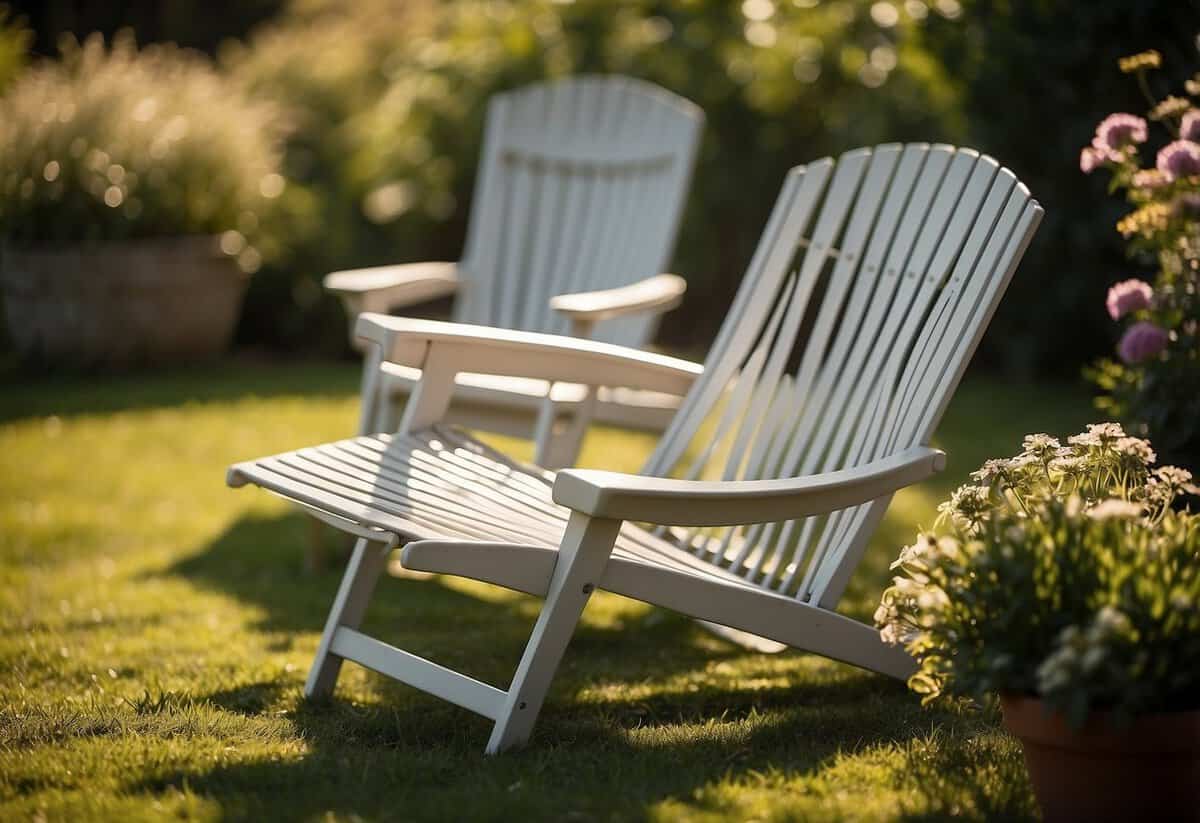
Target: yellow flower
{"x":1145,"y":221}
{"x":1143,"y":60}
{"x":1170,"y":107}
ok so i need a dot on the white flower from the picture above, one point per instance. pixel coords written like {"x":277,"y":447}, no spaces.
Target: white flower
{"x":1110,"y":431}
{"x":1173,"y":475}
{"x":970,"y":502}
{"x":1040,"y":445}
{"x":1093,"y":657}
{"x":948,"y":548}
{"x":919,"y":551}
{"x":1136,"y":447}
{"x":1068,"y":463}
{"x":1168,"y":481}
{"x":1115,"y":507}
{"x":1112,"y":621}
{"x":1055,"y":671}
{"x":991,"y":470}
{"x":1023,"y":460}
{"x":932,"y":598}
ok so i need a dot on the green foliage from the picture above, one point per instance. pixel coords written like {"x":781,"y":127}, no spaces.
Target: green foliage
{"x":14,"y":46}
{"x":1156,"y":389}
{"x":110,"y":144}
{"x":1066,"y":573}
{"x":389,"y":120}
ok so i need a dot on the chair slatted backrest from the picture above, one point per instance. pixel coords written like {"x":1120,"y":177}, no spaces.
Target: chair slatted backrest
{"x":581,"y":187}
{"x":868,"y":293}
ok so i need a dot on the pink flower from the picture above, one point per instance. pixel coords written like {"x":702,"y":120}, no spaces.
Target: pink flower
{"x":1141,"y":341}
{"x":1179,"y":159}
{"x":1148,"y":179}
{"x":1189,"y":127}
{"x":1090,"y":159}
{"x":1117,"y":131}
{"x":1127,"y":296}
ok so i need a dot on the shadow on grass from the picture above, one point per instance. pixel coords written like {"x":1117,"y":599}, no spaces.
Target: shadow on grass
{"x":396,"y":752}
{"x":592,"y":760}
{"x":422,"y":760}
{"x":259,"y":560}
{"x":249,"y":698}
{"x":24,"y":394}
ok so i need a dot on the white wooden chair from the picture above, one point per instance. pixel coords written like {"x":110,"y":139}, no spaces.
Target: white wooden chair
{"x":578,"y":198}
{"x":882,"y":269}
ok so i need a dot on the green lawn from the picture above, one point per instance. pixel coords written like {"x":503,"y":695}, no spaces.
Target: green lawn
{"x":157,"y":626}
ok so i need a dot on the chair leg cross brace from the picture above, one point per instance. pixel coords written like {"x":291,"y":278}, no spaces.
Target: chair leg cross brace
{"x":416,"y":671}
{"x":583,"y":553}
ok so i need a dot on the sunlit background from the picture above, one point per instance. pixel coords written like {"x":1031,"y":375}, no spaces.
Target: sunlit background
{"x":379,"y":108}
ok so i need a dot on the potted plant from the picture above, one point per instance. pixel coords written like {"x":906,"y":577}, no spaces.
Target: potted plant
{"x":1066,"y":579}
{"x":135,"y":186}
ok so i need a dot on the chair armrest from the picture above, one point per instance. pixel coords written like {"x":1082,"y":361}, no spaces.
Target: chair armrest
{"x":657,"y":294}
{"x":381,"y":288}
{"x":486,"y":350}
{"x":740,"y":502}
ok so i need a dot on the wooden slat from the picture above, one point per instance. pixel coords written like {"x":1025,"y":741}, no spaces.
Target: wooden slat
{"x":937,"y":199}
{"x":1007,"y":245}
{"x":559,"y":203}
{"x":829,"y":406}
{"x":948,"y":225}
{"x":562,"y":203}
{"x":755,"y":297}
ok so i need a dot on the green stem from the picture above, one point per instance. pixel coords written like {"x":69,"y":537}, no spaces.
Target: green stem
{"x":1144,"y":85}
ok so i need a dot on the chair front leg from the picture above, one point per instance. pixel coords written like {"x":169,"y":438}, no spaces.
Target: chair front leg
{"x":557,"y":442}
{"x":354,"y":593}
{"x":430,"y":398}
{"x":582,"y":556}
{"x":370,"y":399}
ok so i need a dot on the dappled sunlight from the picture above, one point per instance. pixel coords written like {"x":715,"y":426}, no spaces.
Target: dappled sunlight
{"x":927,"y":776}
{"x":158,"y":628}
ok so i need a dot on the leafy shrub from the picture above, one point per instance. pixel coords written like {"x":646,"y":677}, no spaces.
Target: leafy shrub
{"x":1155,"y":385}
{"x":1066,"y":573}
{"x":113,"y":144}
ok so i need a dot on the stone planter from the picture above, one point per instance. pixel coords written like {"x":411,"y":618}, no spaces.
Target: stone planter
{"x":146,"y":301}
{"x":1149,"y":770}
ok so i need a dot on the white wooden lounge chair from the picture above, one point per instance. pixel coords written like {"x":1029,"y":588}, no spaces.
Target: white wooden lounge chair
{"x":882,"y":269}
{"x":577,"y":201}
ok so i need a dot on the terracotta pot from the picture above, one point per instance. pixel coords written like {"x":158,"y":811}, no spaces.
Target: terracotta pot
{"x":1149,"y":770}
{"x":145,"y":301}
